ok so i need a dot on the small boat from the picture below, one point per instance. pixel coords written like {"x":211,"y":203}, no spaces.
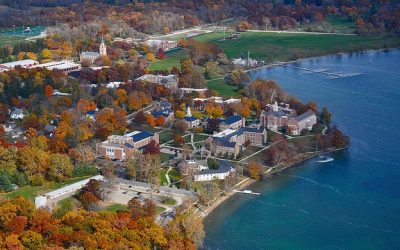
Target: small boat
{"x":324,"y":159}
{"x":27,"y":30}
{"x":246,"y":191}
{"x":370,"y":59}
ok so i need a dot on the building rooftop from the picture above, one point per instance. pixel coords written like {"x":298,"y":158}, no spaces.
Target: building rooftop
{"x":224,"y":167}
{"x":305,"y":115}
{"x":232,"y":119}
{"x":190,"y":118}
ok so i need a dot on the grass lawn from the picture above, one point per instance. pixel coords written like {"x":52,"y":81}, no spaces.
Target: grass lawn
{"x":307,"y":141}
{"x":160,"y":209}
{"x":222,"y":88}
{"x":333,"y":23}
{"x":116,"y":207}
{"x":163,"y":179}
{"x":5,"y":40}
{"x":196,"y":138}
{"x":285,"y":46}
{"x":166,"y":136}
{"x":172,"y":59}
{"x":30,"y":192}
{"x":169,"y":201}
{"x":165,"y":157}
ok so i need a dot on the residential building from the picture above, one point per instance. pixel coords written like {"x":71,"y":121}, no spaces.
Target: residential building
{"x":232,"y":122}
{"x":231,"y":142}
{"x":277,"y":117}
{"x":17,"y":113}
{"x":167,"y":113}
{"x":169,"y":81}
{"x":122,"y":147}
{"x":225,"y":168}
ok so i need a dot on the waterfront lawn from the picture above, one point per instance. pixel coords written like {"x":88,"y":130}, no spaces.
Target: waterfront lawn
{"x":222,"y":88}
{"x":173,"y":59}
{"x":286,"y":46}
{"x":307,"y":141}
{"x":332,"y":23}
{"x":31,"y":192}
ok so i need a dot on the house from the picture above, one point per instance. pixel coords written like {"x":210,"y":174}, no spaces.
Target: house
{"x":231,"y":142}
{"x":277,"y":117}
{"x":17,"y":114}
{"x":92,"y":114}
{"x":122,"y":147}
{"x":93,"y":56}
{"x":190,"y":120}
{"x":169,"y":81}
{"x":163,"y":104}
{"x":225,"y":168}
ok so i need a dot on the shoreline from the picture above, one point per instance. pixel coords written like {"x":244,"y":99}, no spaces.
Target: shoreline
{"x":315,"y":57}
{"x":248,"y":181}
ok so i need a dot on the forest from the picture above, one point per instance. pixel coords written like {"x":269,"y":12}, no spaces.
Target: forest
{"x":370,"y":16}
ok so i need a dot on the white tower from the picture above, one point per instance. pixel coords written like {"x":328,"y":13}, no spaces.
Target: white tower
{"x":188,"y":112}
{"x":102,"y":49}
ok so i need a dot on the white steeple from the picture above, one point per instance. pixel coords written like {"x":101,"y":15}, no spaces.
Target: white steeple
{"x":102,"y":49}
{"x":188,"y":112}
{"x":275,"y":107}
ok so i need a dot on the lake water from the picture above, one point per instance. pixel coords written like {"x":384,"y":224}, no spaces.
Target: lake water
{"x":350,"y":203}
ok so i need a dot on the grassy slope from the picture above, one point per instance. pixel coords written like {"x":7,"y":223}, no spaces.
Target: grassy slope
{"x":31,"y":192}
{"x":173,"y":59}
{"x":222,"y":88}
{"x":5,"y":40}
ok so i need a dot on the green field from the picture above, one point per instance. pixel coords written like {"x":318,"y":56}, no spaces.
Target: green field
{"x":222,"y":88}
{"x":283,"y":46}
{"x":30,"y":192}
{"x":332,"y":23}
{"x":116,"y":207}
{"x":5,"y":40}
{"x":172,"y":59}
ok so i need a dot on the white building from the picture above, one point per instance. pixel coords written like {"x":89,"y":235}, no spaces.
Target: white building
{"x":41,"y":201}
{"x":22,"y":63}
{"x":114,"y":85}
{"x":17,"y":113}
{"x":64,"y":66}
{"x":225,"y":168}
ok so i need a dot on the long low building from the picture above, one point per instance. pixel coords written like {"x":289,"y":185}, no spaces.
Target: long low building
{"x":64,"y":66}
{"x":169,"y":81}
{"x":21,"y":63}
{"x":122,"y":147}
{"x":41,"y":200}
{"x":225,"y":168}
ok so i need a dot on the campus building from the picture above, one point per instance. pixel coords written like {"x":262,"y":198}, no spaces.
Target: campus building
{"x":169,"y":81}
{"x":276,"y":117}
{"x":92,"y":56}
{"x":122,"y":147}
{"x":231,"y":142}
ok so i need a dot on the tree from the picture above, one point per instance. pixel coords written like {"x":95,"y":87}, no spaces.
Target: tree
{"x":160,"y":120}
{"x":214,"y":110}
{"x":140,"y":118}
{"x":150,"y":57}
{"x":60,"y":167}
{"x":48,"y":90}
{"x":45,"y":54}
{"x":161,"y":54}
{"x":152,"y":148}
{"x":326,"y":116}
{"x":140,"y":209}
{"x":254,"y":170}
{"x":181,"y":126}
{"x":33,"y":161}
{"x":151,"y":121}
{"x":178,"y":139}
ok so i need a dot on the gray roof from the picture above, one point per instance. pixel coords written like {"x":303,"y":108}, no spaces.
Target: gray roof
{"x":17,"y":111}
{"x":275,"y":113}
{"x":305,"y":115}
{"x":90,"y":53}
{"x":224,"y":167}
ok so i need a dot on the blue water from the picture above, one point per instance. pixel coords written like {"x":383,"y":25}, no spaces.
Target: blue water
{"x":350,"y":203}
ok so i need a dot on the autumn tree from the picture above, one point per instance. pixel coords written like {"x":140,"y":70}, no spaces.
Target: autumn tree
{"x":326,"y":116}
{"x":48,"y":90}
{"x":254,"y":170}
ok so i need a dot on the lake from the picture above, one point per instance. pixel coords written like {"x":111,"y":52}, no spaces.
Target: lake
{"x":350,"y":203}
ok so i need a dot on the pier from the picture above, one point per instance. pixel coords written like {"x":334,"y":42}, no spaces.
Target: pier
{"x":246,"y":192}
{"x":323,"y":71}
